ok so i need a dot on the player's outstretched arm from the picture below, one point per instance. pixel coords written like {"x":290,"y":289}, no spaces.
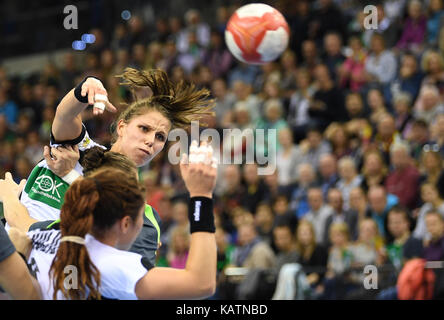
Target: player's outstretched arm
{"x":198,"y":279}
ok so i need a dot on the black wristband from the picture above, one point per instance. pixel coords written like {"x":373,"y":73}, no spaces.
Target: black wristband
{"x":200,"y":214}
{"x":78,"y":90}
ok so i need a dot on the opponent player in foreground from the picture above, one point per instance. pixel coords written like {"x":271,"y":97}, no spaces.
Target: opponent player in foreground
{"x":101,"y":217}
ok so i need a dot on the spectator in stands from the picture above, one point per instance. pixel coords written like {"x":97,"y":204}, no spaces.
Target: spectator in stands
{"x":272,"y":120}
{"x":224,"y":102}
{"x":355,"y":106}
{"x":310,"y":57}
{"x":432,"y":202}
{"x":432,"y":64}
{"x":255,"y":187}
{"x":434,"y":248}
{"x":318,"y":214}
{"x":374,"y":170}
{"x":251,"y":252}
{"x":352,"y":71}
{"x":298,"y":194}
{"x":328,"y":173}
{"x":403,"y":180}
{"x":336,"y":284}
{"x":283,"y":214}
{"x":418,"y":138}
{"x":314,"y":146}
{"x":403,"y":246}
{"x":339,"y":139}
{"x":437,"y":133}
{"x":216,"y":56}
{"x":409,"y":78}
{"x":287,"y":158}
{"x":367,"y":250}
{"x":289,"y":73}
{"x":349,"y":179}
{"x":430,"y":164}
{"x":224,"y":249}
{"x":244,"y":93}
{"x":434,"y":23}
{"x":402,"y":103}
{"x":386,"y":135}
{"x":377,"y":105}
{"x":429,"y":104}
{"x":285,"y":245}
{"x":414,"y":29}
{"x":313,"y":257}
{"x":8,"y":108}
{"x":381,"y":64}
{"x":328,"y":101}
{"x":264,"y":220}
{"x":298,"y":117}
{"x":233,"y":193}
{"x":179,"y":245}
{"x":380,"y":204}
{"x":333,"y":57}
{"x":349,"y":217}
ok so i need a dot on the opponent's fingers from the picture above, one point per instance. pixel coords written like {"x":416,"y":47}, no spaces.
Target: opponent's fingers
{"x":183,"y":165}
{"x":47,"y":155}
{"x":8,"y":176}
{"x":21,"y":185}
{"x":56,"y":153}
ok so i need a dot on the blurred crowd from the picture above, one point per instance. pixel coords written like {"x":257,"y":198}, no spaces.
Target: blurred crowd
{"x":359,"y":115}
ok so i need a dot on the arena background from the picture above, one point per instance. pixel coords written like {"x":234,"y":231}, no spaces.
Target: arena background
{"x":359,"y":118}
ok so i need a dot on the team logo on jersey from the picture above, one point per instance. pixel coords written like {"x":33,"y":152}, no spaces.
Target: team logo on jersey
{"x":45,"y":186}
{"x":46,"y":183}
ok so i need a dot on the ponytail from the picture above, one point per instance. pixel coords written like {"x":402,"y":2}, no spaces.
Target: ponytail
{"x":76,"y":219}
{"x":92,"y":205}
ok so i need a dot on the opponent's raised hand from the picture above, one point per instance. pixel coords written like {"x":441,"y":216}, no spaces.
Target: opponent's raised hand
{"x":9,"y":187}
{"x":199,"y":170}
{"x":63,"y":159}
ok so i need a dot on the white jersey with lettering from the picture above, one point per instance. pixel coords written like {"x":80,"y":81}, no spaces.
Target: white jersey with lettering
{"x":119,"y":270}
{"x":44,"y":190}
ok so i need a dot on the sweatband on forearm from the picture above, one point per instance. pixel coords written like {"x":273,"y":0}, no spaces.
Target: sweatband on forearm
{"x":200,"y":214}
{"x":78,"y":90}
{"x":71,"y":176}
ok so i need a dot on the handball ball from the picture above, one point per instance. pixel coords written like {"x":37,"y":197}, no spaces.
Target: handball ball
{"x":257,"y":33}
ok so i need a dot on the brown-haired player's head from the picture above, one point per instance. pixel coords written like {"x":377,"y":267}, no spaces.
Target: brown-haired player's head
{"x":96,"y":158}
{"x":141,"y":130}
{"x":107,"y":204}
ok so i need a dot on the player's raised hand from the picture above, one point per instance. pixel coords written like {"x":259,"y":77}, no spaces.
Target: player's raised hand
{"x":97,"y":96}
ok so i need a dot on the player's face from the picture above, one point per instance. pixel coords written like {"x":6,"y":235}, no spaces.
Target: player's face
{"x":127,"y":240}
{"x":143,"y":137}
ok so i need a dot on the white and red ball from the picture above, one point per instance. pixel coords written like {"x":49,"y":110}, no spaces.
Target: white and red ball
{"x":257,"y":33}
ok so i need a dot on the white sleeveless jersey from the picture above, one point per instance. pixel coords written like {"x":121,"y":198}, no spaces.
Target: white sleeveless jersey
{"x":119,"y":270}
{"x":44,"y":190}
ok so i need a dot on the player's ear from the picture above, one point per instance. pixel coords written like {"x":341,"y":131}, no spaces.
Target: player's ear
{"x":120,"y":127}
{"x":125,"y":224}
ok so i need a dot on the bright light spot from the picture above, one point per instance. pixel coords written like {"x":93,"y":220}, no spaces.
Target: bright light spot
{"x":126,"y":15}
{"x":78,"y":45}
{"x":88,"y":38}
